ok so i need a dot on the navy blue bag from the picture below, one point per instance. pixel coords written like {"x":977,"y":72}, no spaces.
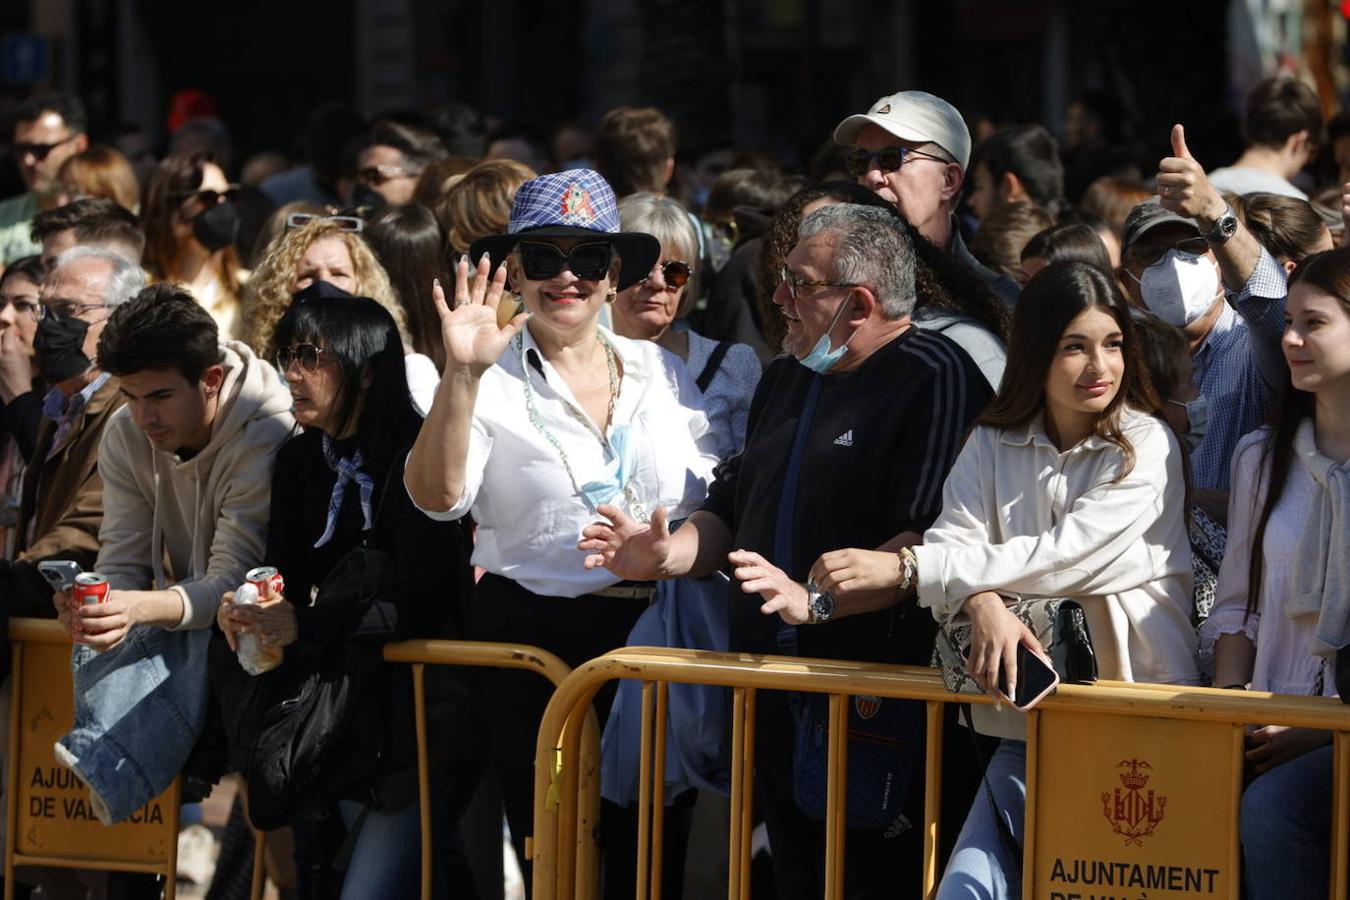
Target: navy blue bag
{"x":885,"y":736}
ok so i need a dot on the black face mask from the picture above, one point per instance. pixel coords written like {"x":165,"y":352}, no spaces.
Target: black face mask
{"x":60,"y":348}
{"x":320,"y":290}
{"x":217,"y":227}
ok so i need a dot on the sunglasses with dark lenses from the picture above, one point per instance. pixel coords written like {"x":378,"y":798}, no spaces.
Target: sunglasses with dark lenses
{"x":589,"y":262}
{"x":307,"y":355}
{"x":40,"y":151}
{"x":1145,"y":255}
{"x":208,"y":197}
{"x":858,"y":162}
{"x":675,"y":273}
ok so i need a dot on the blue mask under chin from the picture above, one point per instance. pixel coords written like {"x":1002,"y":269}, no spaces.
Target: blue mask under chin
{"x":821,"y":358}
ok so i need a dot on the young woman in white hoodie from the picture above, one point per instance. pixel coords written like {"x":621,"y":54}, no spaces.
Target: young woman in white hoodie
{"x":1069,"y":485}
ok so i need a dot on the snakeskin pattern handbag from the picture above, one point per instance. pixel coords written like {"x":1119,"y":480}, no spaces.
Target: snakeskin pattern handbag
{"x":1058,"y":624}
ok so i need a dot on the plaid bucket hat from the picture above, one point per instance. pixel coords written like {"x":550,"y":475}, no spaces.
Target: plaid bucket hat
{"x":576,"y":203}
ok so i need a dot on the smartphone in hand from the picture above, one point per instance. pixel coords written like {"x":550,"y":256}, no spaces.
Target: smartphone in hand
{"x":1036,"y":679}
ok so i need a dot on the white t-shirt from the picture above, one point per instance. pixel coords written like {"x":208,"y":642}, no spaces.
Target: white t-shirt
{"x":528,"y":502}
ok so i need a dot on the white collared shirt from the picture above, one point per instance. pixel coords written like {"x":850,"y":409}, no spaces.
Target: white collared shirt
{"x":528,"y":506}
{"x":1022,"y":518}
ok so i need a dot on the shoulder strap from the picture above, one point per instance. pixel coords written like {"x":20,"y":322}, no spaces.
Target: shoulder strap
{"x":710,"y":367}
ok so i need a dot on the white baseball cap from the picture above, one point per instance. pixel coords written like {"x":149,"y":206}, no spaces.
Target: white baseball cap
{"x":913,"y":116}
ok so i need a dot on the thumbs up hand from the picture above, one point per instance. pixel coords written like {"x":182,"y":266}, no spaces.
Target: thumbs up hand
{"x":1183,"y":187}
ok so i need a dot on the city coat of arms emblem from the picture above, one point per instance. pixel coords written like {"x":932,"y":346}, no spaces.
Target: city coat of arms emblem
{"x":1133,"y":811}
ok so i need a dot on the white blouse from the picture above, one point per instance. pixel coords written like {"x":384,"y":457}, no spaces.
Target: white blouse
{"x":1285,"y":663}
{"x":528,"y":501}
{"x":728,"y":397}
{"x":1022,"y":518}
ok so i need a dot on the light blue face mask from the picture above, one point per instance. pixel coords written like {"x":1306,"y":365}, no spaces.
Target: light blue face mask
{"x":821,"y":358}
{"x":617,"y":470}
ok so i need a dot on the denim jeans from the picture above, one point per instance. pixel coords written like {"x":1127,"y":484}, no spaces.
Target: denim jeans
{"x":386,"y":859}
{"x":980,"y":867}
{"x":1286,"y":829}
{"x":138,"y":710}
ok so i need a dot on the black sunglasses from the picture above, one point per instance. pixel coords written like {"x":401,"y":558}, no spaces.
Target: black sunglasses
{"x":307,"y":355}
{"x":674,"y":272}
{"x":1144,"y":255}
{"x":40,"y":151}
{"x":208,"y":197}
{"x":589,"y":261}
{"x":858,"y":162}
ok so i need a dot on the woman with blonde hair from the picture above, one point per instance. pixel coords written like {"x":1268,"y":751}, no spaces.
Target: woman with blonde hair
{"x":319,"y":257}
{"x":99,"y":171}
{"x":479,"y":204}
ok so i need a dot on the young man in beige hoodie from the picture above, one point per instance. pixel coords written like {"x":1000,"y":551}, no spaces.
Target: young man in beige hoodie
{"x":187,"y":474}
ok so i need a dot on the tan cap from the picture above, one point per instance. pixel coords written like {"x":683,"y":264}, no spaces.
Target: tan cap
{"x":913,"y":116}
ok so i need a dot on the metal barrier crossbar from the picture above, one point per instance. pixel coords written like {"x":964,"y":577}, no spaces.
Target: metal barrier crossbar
{"x":1150,"y":712}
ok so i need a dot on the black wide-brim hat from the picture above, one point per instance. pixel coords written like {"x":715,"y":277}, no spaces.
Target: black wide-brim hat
{"x":577,"y":203}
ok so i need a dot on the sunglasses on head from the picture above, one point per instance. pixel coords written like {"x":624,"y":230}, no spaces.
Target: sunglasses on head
{"x":208,"y":197}
{"x":858,"y":162}
{"x":342,"y":223}
{"x":589,"y":261}
{"x":674,"y":272}
{"x":40,"y":151}
{"x":307,"y":355}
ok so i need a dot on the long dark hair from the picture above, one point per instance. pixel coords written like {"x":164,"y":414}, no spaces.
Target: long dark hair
{"x":408,"y":242}
{"x":361,"y":336}
{"x":1328,"y":271}
{"x":1058,"y":294}
{"x":939,"y":280}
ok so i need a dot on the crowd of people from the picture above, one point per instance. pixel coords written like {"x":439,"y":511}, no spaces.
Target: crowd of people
{"x":444,"y":387}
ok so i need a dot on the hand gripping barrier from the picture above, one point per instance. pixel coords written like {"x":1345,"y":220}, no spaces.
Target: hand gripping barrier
{"x":1132,"y":789}
{"x":47,"y":814}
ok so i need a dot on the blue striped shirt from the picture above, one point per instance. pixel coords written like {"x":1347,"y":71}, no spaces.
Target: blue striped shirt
{"x":1240,"y":369}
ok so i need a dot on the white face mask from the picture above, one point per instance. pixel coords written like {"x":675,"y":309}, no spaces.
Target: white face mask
{"x":1180,"y":287}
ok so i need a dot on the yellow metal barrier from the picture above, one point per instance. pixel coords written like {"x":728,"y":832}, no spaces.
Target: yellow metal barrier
{"x":1107,"y":765}
{"x":47,"y":814}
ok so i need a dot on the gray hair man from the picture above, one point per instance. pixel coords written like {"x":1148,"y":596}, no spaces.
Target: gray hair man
{"x":61,"y":508}
{"x":850,"y":438}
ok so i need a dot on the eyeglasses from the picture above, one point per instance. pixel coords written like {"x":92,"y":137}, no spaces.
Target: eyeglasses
{"x":374,"y":176}
{"x":343,"y":223}
{"x":674,"y":272}
{"x":793,"y":283}
{"x":858,"y":162}
{"x":40,"y":152}
{"x":22,"y":305}
{"x":1145,"y":255}
{"x":66,"y":309}
{"x":207,"y":197}
{"x":307,"y":355}
{"x":589,"y":261}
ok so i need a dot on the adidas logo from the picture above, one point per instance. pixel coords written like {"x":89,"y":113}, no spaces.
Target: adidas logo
{"x":845,"y":439}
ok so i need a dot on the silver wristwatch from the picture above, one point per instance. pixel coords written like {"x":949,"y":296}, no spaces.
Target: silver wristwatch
{"x":819,"y":605}
{"x":1224,"y":228}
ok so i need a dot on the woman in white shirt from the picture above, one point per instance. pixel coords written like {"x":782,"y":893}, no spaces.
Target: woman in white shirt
{"x":655,"y":307}
{"x":1283,"y":595}
{"x":1068,"y":486}
{"x":538,"y":427}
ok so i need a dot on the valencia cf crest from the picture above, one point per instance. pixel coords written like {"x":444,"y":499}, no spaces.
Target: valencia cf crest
{"x":866,"y":706}
{"x":1133,"y":811}
{"x":576,"y":206}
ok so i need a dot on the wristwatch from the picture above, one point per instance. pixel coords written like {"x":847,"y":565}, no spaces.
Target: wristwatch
{"x":819,"y":605}
{"x":1224,"y":228}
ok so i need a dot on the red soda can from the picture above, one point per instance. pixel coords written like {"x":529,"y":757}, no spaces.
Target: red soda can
{"x":90,"y":587}
{"x":263,"y":577}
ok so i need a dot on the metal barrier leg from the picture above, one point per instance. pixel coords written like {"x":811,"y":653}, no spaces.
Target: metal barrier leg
{"x":587,"y":818}
{"x":932,"y":798}
{"x":644,"y":795}
{"x":1029,"y":826}
{"x":1340,"y":814}
{"x":423,"y":773}
{"x":836,"y":805}
{"x":12,"y":766}
{"x":659,"y":790}
{"x":736,"y":873}
{"x":747,"y":794}
{"x":255,"y":888}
